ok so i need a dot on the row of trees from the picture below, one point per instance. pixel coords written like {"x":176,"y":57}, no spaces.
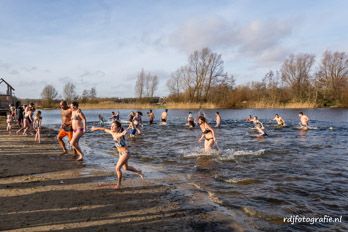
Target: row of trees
{"x":49,"y":94}
{"x":298,"y":80}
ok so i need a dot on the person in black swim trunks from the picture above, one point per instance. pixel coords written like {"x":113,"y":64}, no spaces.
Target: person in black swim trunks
{"x":207,"y":134}
{"x":164,"y":116}
{"x":190,"y":121}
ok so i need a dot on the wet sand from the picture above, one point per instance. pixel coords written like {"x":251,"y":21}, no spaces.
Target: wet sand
{"x":41,"y":190}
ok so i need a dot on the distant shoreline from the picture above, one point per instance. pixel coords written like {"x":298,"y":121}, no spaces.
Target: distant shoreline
{"x":183,"y":106}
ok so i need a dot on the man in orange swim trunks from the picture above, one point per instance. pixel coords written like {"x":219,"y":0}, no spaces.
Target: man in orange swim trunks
{"x":66,"y":128}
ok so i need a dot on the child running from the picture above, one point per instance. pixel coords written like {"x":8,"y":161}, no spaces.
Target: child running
{"x":37,"y":126}
{"x":118,"y":135}
{"x":9,"y":122}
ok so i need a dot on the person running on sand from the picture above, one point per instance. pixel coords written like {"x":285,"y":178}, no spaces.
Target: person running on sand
{"x":13,"y":111}
{"x":66,"y":127}
{"x":151,"y":116}
{"x":78,"y":122}
{"x":118,"y":135}
{"x":280,"y":121}
{"x":19,"y":114}
{"x":190,"y":120}
{"x":37,"y":126}
{"x":207,"y":134}
{"x":218,"y":119}
{"x":304,"y":121}
{"x":28,"y":119}
{"x":164,"y":117}
{"x":9,"y":122}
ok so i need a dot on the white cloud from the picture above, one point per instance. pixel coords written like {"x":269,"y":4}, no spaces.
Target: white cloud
{"x":256,"y":39}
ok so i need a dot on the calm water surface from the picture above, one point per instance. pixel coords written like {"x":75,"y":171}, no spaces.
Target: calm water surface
{"x":290,"y":172}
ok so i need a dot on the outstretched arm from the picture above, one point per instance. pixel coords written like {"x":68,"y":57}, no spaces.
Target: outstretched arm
{"x":101,"y":129}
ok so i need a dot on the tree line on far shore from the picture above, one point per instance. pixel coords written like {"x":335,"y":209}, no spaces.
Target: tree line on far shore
{"x":50,"y":95}
{"x":203,"y":80}
{"x":299,"y":80}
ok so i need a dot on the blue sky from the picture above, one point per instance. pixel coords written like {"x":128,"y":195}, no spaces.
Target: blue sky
{"x":104,"y":44}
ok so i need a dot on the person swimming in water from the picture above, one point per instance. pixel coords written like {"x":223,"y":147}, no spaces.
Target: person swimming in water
{"x":250,"y":119}
{"x":79,"y":126}
{"x":164,"y":117}
{"x":280,"y":121}
{"x":115,"y":117}
{"x":218,"y":119}
{"x":151,"y":116}
{"x":137,"y":122}
{"x":118,"y":135}
{"x":101,"y":120}
{"x":259,"y":127}
{"x":190,"y":120}
{"x":304,"y":121}
{"x":207,"y":134}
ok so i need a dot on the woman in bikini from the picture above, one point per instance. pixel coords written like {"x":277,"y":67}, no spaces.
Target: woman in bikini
{"x":78,"y":122}
{"x":207,"y":134}
{"x":118,"y":134}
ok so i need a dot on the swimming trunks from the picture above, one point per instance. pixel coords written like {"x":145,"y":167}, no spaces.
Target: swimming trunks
{"x":62,"y":133}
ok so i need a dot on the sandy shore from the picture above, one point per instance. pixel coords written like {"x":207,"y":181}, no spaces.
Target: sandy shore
{"x":41,"y":191}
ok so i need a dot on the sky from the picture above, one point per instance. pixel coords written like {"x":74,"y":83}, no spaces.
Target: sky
{"x":105,"y":43}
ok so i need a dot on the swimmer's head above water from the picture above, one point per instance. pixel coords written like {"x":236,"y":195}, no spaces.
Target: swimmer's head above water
{"x":115,"y":126}
{"x":201,"y":120}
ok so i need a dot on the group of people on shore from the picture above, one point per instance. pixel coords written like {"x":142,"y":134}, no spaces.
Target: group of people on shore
{"x":27,"y":118}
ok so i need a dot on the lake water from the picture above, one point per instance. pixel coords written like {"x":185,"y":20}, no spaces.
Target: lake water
{"x":260,"y":181}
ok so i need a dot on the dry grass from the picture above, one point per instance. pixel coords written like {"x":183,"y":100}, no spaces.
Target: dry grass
{"x":290,"y":105}
{"x":173,"y":105}
{"x":112,"y":105}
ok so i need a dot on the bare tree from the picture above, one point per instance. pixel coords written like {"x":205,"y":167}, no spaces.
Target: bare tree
{"x":93,"y":93}
{"x":174,"y":83}
{"x":271,"y":83}
{"x":332,"y":76}
{"x":153,"y":85}
{"x":295,"y":72}
{"x":206,"y":67}
{"x":69,"y":93}
{"x":49,"y":93}
{"x":140,"y":84}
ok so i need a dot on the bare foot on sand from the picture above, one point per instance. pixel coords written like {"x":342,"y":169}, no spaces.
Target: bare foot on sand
{"x":141,"y":174}
{"x":109,"y":185}
{"x":64,"y":152}
{"x":80,"y":158}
